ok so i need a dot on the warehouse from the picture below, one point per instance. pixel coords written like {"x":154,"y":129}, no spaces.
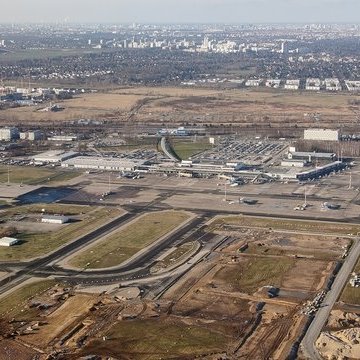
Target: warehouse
{"x":103,"y":163}
{"x":54,"y":157}
{"x":8,"y":241}
{"x":293,"y":163}
{"x":55,"y":219}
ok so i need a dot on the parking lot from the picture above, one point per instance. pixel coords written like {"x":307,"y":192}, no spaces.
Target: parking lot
{"x":254,"y":151}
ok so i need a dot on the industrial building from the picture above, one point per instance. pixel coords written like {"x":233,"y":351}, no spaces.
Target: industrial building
{"x":63,"y":138}
{"x":9,"y":133}
{"x":32,"y":135}
{"x":103,"y":163}
{"x":321,"y":134}
{"x":8,"y":241}
{"x":55,"y":219}
{"x":53,"y":157}
{"x":293,"y":163}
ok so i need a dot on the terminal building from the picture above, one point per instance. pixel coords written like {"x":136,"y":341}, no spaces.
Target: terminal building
{"x":321,"y":171}
{"x":103,"y":163}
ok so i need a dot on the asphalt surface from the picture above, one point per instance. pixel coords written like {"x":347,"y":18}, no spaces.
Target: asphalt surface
{"x":322,"y":315}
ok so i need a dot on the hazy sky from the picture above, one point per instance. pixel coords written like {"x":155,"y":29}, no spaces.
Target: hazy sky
{"x":165,"y":11}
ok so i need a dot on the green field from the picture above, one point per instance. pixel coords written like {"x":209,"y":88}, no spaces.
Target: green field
{"x":186,"y":149}
{"x":157,"y":339}
{"x":180,"y":253}
{"x":130,"y":239}
{"x":351,"y":295}
{"x":37,"y":244}
{"x":34,"y":175}
{"x":32,"y":54}
{"x":15,"y":303}
{"x":256,"y":272}
{"x":286,"y":224}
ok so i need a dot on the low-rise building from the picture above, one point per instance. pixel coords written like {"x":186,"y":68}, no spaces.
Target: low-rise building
{"x":8,"y":241}
{"x":292,"y":85}
{"x":55,"y":219}
{"x":32,"y":135}
{"x":9,"y":133}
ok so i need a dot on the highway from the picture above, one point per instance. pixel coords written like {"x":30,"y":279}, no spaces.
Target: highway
{"x":322,"y":315}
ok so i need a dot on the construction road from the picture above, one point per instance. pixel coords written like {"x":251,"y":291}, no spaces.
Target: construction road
{"x":322,"y":315}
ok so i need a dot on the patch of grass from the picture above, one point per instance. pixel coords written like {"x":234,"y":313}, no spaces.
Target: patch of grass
{"x":256,"y":272}
{"x":15,"y":303}
{"x":157,"y":339}
{"x":38,"y":244}
{"x":130,"y":239}
{"x":286,"y":224}
{"x":49,"y":209}
{"x":350,"y":295}
{"x":186,"y":149}
{"x":180,"y":253}
{"x":34,"y":175}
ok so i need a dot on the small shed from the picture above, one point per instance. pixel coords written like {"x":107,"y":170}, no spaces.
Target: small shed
{"x":55,"y":219}
{"x":8,"y":241}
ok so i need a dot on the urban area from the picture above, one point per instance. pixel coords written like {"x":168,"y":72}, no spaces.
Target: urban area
{"x":179,"y":192}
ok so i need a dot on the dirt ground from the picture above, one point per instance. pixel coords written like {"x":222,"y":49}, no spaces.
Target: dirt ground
{"x":68,"y":313}
{"x":14,"y":350}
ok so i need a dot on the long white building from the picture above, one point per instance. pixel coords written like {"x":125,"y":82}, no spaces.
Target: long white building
{"x":321,"y":134}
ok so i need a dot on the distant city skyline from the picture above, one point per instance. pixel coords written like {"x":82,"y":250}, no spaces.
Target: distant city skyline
{"x":185,"y":11}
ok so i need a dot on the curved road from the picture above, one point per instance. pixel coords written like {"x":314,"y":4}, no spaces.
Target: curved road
{"x":322,"y":315}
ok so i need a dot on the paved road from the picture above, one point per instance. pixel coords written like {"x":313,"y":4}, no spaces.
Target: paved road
{"x":308,"y":343}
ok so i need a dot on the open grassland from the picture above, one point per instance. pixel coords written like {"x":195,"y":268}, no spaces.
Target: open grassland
{"x":89,"y":106}
{"x":157,"y":339}
{"x":130,"y":239}
{"x":15,"y":303}
{"x":49,"y":209}
{"x":247,"y":276}
{"x":38,"y":244}
{"x":186,"y":149}
{"x":34,"y":175}
{"x":351,"y":295}
{"x":231,"y":106}
{"x":287,"y":224}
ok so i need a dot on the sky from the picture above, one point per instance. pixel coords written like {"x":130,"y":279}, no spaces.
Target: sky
{"x":180,"y":11}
